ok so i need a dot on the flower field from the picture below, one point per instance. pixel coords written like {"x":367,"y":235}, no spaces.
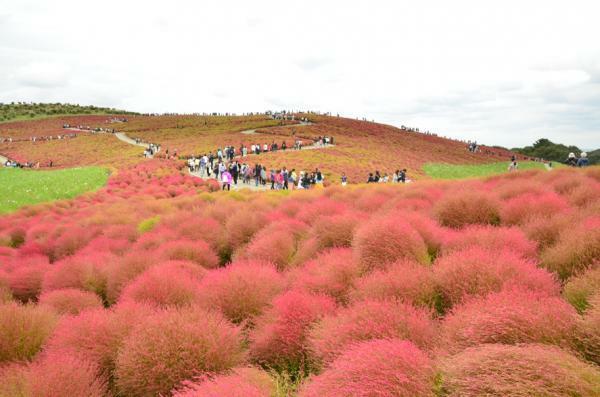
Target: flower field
{"x":158,"y":284}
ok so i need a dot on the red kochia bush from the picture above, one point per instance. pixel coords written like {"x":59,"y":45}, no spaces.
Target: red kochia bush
{"x":54,"y":375}
{"x":86,"y":272}
{"x":525,"y":370}
{"x":405,"y":281}
{"x":370,"y":320}
{"x":520,"y":209}
{"x":331,"y":273}
{"x":384,"y":240}
{"x":492,"y":238}
{"x":194,"y":251}
{"x":70,"y":300}
{"x":23,"y":330}
{"x":375,"y":368}
{"x":275,"y":243}
{"x":511,"y":316}
{"x":121,"y":272}
{"x":175,"y":345}
{"x":279,"y":338}
{"x":476,"y":272}
{"x":459,"y":208}
{"x":576,"y":250}
{"x":241,"y":382}
{"x":241,"y":290}
{"x":25,"y":281}
{"x":173,"y":283}
{"x":335,"y":230}
{"x":97,"y":335}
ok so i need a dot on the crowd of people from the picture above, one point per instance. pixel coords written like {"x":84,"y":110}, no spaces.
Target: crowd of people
{"x":38,"y":138}
{"x":230,"y":172}
{"x":399,"y":176}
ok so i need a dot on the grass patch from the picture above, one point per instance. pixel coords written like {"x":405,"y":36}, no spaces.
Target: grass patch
{"x":24,"y":187}
{"x":452,"y":171}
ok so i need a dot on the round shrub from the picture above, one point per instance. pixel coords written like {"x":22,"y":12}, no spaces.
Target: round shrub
{"x":241,"y":290}
{"x":194,"y":251}
{"x":492,"y":238}
{"x":86,"y":272}
{"x":70,"y":300}
{"x":525,"y":370}
{"x":25,"y":281}
{"x":405,"y":281}
{"x":588,"y":331}
{"x":459,"y":208}
{"x":279,"y":339}
{"x":60,"y":375}
{"x":579,"y":289}
{"x":476,"y":272}
{"x":384,"y":240}
{"x":375,"y":368}
{"x":370,"y":319}
{"x":511,"y":316}
{"x":519,"y":210}
{"x":576,"y":250}
{"x":331,"y":273}
{"x":97,"y":335}
{"x":544,"y":230}
{"x":123,"y":271}
{"x":176,"y":345}
{"x":173,"y":283}
{"x":335,"y":230}
{"x":241,"y":382}
{"x":23,"y":330}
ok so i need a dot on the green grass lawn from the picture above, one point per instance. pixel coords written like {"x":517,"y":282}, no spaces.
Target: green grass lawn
{"x":24,"y":187}
{"x":452,"y":171}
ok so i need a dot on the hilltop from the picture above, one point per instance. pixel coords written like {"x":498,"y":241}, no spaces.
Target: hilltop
{"x":548,"y":150}
{"x":28,"y":111}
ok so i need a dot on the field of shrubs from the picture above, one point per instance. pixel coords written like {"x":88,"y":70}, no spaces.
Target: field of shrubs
{"x":160,"y":285}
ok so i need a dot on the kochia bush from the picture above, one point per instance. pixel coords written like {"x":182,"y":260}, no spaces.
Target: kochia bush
{"x":241,"y":382}
{"x":524,"y":370}
{"x":511,"y":316}
{"x":384,"y":240}
{"x":580,"y":289}
{"x":70,"y":300}
{"x":370,"y":319}
{"x":175,"y":345}
{"x":459,"y":208}
{"x":241,"y":290}
{"x":279,"y":339}
{"x":380,"y":367}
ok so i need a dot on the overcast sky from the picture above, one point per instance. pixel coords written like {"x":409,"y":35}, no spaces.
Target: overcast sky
{"x":502,"y":72}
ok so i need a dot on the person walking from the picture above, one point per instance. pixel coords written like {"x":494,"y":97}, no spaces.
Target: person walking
{"x":226,"y":179}
{"x":344,"y":179}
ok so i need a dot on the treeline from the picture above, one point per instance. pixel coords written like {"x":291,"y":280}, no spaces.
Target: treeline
{"x":25,"y":110}
{"x":548,"y":150}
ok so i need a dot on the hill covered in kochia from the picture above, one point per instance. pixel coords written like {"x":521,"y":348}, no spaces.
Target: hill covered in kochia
{"x":26,"y":111}
{"x":548,"y":150}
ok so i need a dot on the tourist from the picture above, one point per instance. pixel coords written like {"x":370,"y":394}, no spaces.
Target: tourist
{"x":344,"y":179}
{"x":571,"y":160}
{"x":583,"y":160}
{"x":226,"y":179}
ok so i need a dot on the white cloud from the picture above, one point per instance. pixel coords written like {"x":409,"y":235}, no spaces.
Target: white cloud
{"x":501,"y":72}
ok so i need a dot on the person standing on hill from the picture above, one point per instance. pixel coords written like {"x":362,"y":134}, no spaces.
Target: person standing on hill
{"x":371,"y":178}
{"x":344,"y":179}
{"x":402,"y":176}
{"x":571,"y":160}
{"x":226,"y":179}
{"x":583,"y":160}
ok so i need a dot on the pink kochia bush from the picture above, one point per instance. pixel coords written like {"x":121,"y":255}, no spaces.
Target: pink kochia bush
{"x":406,"y":281}
{"x":332,"y":273}
{"x":493,"y":238}
{"x":459,"y":208}
{"x":384,"y":240}
{"x":279,"y":339}
{"x":241,"y":290}
{"x":241,"y":382}
{"x":511,"y":316}
{"x":97,"y":334}
{"x":23,"y":330}
{"x":70,"y":300}
{"x":172,"y":283}
{"x":198,"y":252}
{"x":520,"y":209}
{"x":86,"y":272}
{"x":524,"y":370}
{"x":53,"y":375}
{"x":176,"y":345}
{"x":476,"y":272}
{"x":588,"y":331}
{"x":375,"y":368}
{"x":370,"y":319}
